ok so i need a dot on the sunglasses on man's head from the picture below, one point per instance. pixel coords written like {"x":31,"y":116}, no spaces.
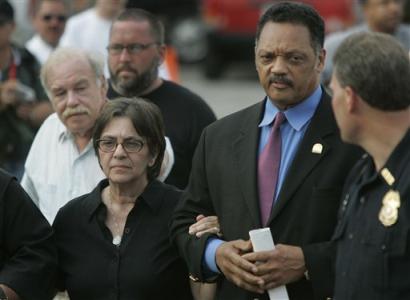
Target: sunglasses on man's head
{"x":60,"y":18}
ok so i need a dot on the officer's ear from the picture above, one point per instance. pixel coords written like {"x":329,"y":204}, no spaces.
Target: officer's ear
{"x":352,"y":99}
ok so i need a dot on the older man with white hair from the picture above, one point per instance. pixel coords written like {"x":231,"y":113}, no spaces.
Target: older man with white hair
{"x":62,"y":163}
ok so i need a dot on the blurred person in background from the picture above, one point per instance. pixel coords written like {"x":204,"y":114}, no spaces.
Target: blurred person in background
{"x":23,"y":103}
{"x":89,"y":29}
{"x":23,"y":15}
{"x":49,"y":22}
{"x":384,"y":16}
{"x":135,"y":51}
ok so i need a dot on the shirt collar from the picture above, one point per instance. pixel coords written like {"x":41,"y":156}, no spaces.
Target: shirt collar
{"x":395,"y":162}
{"x":64,"y":134}
{"x":152,"y":196}
{"x":16,"y":56}
{"x":298,"y":115}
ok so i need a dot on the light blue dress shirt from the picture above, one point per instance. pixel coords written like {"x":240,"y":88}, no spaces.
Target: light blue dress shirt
{"x":292,"y":131}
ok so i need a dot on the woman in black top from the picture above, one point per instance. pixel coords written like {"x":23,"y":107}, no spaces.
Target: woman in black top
{"x":113,"y":242}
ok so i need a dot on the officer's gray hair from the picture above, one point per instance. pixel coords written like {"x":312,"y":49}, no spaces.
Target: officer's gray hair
{"x":377,"y":68}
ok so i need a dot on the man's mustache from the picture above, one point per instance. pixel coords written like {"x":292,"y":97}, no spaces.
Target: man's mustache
{"x":280,"y":79}
{"x":126,"y":68}
{"x":70,"y":111}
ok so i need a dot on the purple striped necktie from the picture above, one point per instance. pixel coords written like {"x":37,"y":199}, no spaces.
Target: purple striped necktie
{"x":268,"y":168}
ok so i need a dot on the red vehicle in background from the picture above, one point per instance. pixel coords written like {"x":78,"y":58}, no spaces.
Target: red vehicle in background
{"x":231,"y":27}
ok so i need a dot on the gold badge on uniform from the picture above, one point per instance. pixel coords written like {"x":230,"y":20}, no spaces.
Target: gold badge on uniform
{"x":390,"y":209}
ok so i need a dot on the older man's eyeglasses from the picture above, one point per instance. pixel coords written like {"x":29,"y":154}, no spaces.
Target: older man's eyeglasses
{"x":129,"y":145}
{"x":116,"y":49}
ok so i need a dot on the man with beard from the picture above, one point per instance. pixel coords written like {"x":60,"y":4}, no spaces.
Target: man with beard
{"x":136,"y":49}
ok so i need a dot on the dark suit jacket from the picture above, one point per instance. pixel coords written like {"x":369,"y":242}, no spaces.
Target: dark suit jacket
{"x":224,"y":182}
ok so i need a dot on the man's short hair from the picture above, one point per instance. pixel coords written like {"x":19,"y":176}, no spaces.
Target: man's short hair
{"x":6,"y":12}
{"x":147,"y":120}
{"x":298,"y":14}
{"x":38,"y":4}
{"x":140,"y":15}
{"x":60,"y":55}
{"x":377,"y":68}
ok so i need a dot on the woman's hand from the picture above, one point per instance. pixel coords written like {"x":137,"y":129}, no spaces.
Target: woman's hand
{"x":204,"y":225}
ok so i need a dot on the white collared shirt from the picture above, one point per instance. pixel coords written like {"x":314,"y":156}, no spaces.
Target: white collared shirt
{"x":55,"y":172}
{"x":39,"y":48}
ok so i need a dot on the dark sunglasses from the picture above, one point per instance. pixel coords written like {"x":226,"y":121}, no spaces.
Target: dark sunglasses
{"x":59,"y":18}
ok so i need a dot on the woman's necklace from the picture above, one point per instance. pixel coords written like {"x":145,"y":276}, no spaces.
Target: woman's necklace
{"x":117,"y":220}
{"x":117,"y":234}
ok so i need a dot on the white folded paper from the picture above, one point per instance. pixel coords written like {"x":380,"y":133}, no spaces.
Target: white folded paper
{"x":262,"y":241}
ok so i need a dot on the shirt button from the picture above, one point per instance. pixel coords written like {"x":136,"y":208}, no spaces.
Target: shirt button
{"x":127,"y":230}
{"x":383,"y":247}
{"x":350,"y":236}
{"x":362,"y":199}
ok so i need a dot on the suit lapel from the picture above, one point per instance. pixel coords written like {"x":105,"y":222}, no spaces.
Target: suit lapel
{"x":321,"y":125}
{"x":244,"y":149}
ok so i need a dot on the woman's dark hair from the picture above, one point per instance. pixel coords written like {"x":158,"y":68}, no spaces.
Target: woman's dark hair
{"x":147,"y":120}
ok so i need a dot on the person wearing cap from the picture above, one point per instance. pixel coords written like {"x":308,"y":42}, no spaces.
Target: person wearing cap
{"x":23,"y":103}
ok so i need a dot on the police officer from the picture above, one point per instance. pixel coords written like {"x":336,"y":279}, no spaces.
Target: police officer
{"x":371,"y":101}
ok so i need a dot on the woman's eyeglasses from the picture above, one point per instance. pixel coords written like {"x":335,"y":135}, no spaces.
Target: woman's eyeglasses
{"x":129,"y":145}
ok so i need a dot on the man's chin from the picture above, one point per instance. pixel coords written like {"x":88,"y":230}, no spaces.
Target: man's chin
{"x":126,"y":76}
{"x":80,"y":130}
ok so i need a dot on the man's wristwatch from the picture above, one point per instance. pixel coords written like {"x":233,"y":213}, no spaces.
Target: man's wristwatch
{"x":3,"y":295}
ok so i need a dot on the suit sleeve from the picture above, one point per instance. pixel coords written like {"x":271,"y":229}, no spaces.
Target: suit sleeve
{"x":28,"y":253}
{"x":194,"y":201}
{"x":320,"y":260}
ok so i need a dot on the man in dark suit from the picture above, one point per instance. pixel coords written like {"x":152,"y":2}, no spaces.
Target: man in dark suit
{"x":224,"y":181}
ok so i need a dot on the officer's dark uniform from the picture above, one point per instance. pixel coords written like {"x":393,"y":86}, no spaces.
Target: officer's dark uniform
{"x":373,"y":248}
